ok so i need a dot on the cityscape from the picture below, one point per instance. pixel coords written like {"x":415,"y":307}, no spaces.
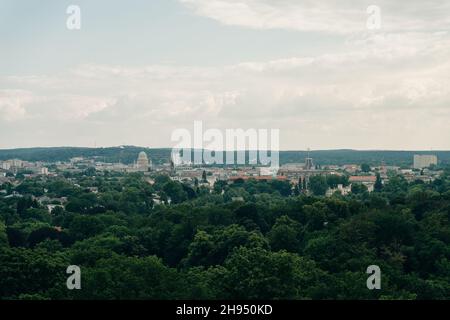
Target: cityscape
{"x":231,"y":159}
{"x":214,"y":222}
{"x":425,"y":168}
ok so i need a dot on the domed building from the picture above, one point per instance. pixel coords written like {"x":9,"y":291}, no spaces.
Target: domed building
{"x":143,"y":163}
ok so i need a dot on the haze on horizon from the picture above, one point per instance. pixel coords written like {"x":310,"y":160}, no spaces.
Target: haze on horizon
{"x":138,"y":70}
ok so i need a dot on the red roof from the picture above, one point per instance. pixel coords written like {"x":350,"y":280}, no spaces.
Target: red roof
{"x":260,"y":178}
{"x":362,"y":179}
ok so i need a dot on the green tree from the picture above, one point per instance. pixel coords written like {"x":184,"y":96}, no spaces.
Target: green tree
{"x":365,"y":167}
{"x":41,"y":272}
{"x":283,"y":187}
{"x":285,"y":235}
{"x":3,"y":235}
{"x":359,"y":188}
{"x":200,"y":249}
{"x":378,"y":183}
{"x":260,"y":274}
{"x":175,"y":192}
{"x":318,"y":185}
{"x":83,"y":226}
{"x":120,"y":277}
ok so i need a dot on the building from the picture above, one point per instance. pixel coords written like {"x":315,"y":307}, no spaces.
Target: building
{"x":6,"y":165}
{"x":143,"y":164}
{"x":309,"y":164}
{"x":351,"y":168}
{"x":362,"y":179}
{"x":293,"y":167}
{"x":257,"y":178}
{"x":3,"y":179}
{"x":424,"y":161}
{"x":17,"y":163}
{"x":340,"y":189}
{"x":268,"y":171}
{"x":368,"y":181}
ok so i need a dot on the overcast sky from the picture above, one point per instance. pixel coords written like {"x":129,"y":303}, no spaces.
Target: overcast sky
{"x":137,"y":70}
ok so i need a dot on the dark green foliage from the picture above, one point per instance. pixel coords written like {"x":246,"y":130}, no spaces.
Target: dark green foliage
{"x":285,"y":235}
{"x":359,"y":188}
{"x":318,"y":185}
{"x":333,"y":180}
{"x":24,"y":271}
{"x":270,"y":243}
{"x":378,"y":183}
{"x":3,"y":235}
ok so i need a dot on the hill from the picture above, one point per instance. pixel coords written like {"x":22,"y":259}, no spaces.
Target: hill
{"x":128,"y":154}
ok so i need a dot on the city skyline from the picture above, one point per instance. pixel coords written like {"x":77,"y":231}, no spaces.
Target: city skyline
{"x":426,"y":151}
{"x":138,"y":71}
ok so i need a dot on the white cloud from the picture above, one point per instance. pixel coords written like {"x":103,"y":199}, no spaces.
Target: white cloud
{"x":342,"y":17}
{"x":380,"y":88}
{"x":13,"y":104}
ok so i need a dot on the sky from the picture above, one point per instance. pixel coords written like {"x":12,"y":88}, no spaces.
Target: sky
{"x":138,"y":70}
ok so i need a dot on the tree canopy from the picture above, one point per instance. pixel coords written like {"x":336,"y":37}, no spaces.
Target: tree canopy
{"x":171,"y":240}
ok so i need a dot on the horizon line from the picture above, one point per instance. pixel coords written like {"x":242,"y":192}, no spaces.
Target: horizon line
{"x":169,"y":148}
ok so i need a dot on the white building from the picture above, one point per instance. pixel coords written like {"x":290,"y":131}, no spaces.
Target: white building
{"x":143,"y":163}
{"x":268,"y":171}
{"x":6,"y":165}
{"x":424,"y":161}
{"x":17,"y":163}
{"x":341,"y":189}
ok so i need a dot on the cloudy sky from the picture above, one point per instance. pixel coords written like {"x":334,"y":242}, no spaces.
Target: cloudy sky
{"x":138,"y":70}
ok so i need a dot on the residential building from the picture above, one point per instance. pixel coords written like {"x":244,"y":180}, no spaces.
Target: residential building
{"x":424,"y":160}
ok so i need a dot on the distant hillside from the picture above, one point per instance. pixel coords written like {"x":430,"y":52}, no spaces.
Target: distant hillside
{"x":128,"y":154}
{"x":357,"y":157}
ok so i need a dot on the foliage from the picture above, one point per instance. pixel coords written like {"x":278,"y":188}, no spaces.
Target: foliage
{"x":272,"y":243}
{"x":318,"y":185}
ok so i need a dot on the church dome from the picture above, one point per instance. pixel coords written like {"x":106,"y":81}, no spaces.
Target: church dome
{"x":142,"y":156}
{"x":143,"y":163}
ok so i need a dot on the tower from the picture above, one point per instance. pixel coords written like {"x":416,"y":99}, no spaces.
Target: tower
{"x":309,"y":162}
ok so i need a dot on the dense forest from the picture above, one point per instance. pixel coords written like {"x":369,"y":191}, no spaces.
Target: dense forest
{"x":128,"y":154}
{"x":273,"y":243}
